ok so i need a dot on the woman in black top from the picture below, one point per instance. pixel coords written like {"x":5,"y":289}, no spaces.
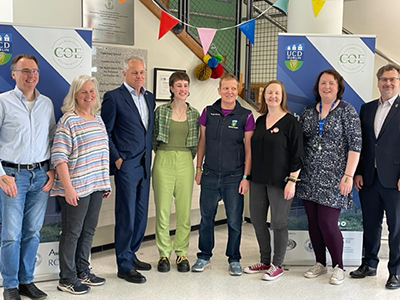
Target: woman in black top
{"x":277,"y":156}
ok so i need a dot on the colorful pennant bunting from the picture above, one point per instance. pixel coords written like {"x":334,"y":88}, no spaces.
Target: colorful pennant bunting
{"x":317,"y":5}
{"x":248,"y":29}
{"x":206,"y":36}
{"x":166,"y":23}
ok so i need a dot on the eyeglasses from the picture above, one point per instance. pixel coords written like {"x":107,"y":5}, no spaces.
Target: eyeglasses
{"x":28,"y":71}
{"x":391,"y":79}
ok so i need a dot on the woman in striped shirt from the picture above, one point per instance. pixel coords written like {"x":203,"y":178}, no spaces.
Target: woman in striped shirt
{"x":80,"y":156}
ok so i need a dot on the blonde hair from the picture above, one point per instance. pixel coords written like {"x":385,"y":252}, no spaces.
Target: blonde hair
{"x":69,"y":103}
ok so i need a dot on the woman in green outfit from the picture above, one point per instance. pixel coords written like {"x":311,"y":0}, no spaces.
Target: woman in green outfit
{"x":175,"y":136}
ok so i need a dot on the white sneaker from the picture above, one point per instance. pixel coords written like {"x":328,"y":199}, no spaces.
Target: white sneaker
{"x":315,"y":271}
{"x":337,"y":276}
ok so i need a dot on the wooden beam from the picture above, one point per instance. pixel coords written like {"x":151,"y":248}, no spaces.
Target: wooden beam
{"x":183,"y":36}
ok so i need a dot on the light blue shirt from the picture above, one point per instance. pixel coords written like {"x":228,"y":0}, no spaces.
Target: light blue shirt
{"x":25,"y":135}
{"x":140,"y":103}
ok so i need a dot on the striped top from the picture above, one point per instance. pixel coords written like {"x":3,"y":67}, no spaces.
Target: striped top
{"x":83,"y":145}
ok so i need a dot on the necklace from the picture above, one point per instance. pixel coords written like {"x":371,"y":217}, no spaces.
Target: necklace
{"x":321,"y":122}
{"x":180,"y":115}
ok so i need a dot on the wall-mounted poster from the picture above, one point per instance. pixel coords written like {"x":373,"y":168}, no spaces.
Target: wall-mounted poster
{"x":111,"y":20}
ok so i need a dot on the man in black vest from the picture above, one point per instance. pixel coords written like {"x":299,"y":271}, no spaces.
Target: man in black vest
{"x":225,"y":133}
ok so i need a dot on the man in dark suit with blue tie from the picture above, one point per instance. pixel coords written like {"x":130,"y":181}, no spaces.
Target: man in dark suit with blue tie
{"x":128,"y":115}
{"x":378,"y":175}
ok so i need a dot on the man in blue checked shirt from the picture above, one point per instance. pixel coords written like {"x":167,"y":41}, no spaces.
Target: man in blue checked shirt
{"x":27,"y":127}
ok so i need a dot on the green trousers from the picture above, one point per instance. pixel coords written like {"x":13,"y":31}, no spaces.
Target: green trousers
{"x":173,"y":175}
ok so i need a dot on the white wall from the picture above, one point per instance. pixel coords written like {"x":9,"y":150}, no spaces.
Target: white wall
{"x":6,"y":11}
{"x":380,"y":18}
{"x":48,"y":12}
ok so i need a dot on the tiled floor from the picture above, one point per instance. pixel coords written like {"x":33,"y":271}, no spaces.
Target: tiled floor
{"x":216,"y":283}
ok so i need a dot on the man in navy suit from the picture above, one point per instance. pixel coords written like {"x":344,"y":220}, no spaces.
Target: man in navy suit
{"x":128,"y":115}
{"x":378,"y":175}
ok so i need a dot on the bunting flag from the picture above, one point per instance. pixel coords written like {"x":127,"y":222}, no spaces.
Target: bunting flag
{"x":248,"y":29}
{"x":281,"y":5}
{"x":206,"y":36}
{"x":121,"y":1}
{"x":317,"y":5}
{"x":166,"y":23}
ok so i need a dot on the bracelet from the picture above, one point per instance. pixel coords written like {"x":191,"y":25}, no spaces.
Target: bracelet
{"x":246,"y":177}
{"x":292,"y":179}
{"x":348,"y":175}
{"x":198,"y":170}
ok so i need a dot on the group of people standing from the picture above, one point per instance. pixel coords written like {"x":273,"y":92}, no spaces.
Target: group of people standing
{"x":324,"y":155}
{"x":331,"y":150}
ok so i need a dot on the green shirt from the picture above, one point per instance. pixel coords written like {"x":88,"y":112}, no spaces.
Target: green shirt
{"x":162,"y":122}
{"x":178,"y":132}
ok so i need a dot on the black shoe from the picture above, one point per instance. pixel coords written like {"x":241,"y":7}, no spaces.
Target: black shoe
{"x":76,"y":288}
{"x":11,"y":294}
{"x":393,"y":282}
{"x":182,"y":264}
{"x":140,"y":265}
{"x":30,"y":290}
{"x":132,"y":276}
{"x":163,"y":264}
{"x":363,"y":271}
{"x":91,"y":279}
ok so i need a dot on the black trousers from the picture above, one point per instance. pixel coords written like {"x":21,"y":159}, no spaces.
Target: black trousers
{"x":375,"y":200}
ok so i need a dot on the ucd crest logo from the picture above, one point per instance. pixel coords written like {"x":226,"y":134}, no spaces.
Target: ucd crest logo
{"x":294,"y":56}
{"x":5,"y":48}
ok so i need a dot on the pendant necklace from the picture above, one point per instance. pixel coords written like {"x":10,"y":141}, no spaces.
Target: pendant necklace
{"x":180,"y":115}
{"x":321,"y":122}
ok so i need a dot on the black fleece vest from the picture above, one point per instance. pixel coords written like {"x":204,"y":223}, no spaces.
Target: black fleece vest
{"x":224,"y":139}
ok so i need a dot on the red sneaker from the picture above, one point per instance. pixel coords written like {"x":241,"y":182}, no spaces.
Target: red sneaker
{"x":273,"y":273}
{"x":256,"y":268}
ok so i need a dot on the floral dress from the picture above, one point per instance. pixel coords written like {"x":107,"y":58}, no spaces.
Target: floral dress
{"x":326,"y":154}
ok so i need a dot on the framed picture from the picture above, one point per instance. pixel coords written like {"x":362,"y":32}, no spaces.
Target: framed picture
{"x":161,"y":83}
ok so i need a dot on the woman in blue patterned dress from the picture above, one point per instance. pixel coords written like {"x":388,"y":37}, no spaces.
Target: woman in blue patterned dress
{"x":332,"y":143}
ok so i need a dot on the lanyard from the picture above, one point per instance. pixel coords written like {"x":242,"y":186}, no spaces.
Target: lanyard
{"x":321,"y":122}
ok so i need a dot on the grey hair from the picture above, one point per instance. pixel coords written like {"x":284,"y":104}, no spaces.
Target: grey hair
{"x":129,"y":59}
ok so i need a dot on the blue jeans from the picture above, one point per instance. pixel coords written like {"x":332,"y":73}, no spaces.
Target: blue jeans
{"x":22,"y":218}
{"x":78,"y":227}
{"x":216,"y":187}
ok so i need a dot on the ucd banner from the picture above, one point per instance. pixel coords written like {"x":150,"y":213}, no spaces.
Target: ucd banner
{"x":63,"y":54}
{"x":300,"y":59}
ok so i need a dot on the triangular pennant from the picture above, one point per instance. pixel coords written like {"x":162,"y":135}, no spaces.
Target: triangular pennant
{"x":248,"y":29}
{"x":317,"y":5}
{"x":121,"y":1}
{"x":281,"y":5}
{"x":206,"y":36}
{"x":166,"y":23}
